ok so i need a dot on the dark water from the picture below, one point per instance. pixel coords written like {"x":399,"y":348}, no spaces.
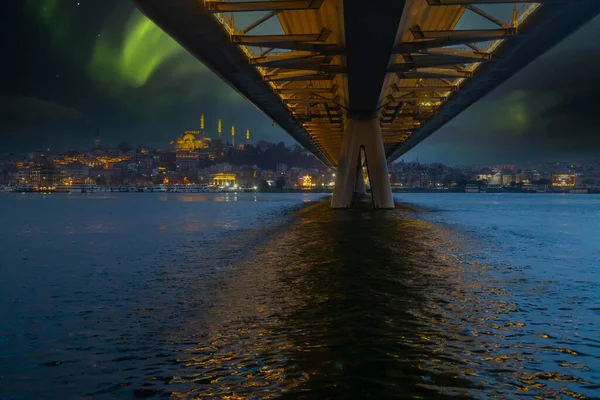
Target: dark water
{"x":214,"y":296}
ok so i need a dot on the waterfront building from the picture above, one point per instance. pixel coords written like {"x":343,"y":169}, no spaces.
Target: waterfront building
{"x":496,"y":179}
{"x":44,"y":174}
{"x":22,"y":175}
{"x":564,"y":180}
{"x":221,"y":168}
{"x":223,"y":179}
{"x":507,"y":177}
{"x":77,"y":172}
{"x":187,"y":161}
{"x":281,"y":168}
{"x":145,"y":162}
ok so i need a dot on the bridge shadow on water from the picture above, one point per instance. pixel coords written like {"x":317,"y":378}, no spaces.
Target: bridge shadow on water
{"x":359,"y":331}
{"x":364,"y":304}
{"x":339,"y":304}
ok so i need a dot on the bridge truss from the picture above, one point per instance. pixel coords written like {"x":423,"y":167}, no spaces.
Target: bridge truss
{"x":411,"y":65}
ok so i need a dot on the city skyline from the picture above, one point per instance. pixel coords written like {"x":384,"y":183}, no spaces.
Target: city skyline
{"x":94,"y":74}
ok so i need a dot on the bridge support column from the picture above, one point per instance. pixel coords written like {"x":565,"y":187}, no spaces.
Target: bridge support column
{"x":362,"y":132}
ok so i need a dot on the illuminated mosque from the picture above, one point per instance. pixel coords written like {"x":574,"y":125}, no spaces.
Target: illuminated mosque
{"x":192,"y":139}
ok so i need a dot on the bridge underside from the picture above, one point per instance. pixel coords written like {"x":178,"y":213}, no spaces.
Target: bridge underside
{"x":402,"y":69}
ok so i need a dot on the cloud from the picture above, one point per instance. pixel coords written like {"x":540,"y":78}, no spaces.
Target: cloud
{"x":30,"y":123}
{"x":34,"y":111}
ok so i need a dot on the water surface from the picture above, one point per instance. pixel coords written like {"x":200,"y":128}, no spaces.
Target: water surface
{"x":254,"y":296}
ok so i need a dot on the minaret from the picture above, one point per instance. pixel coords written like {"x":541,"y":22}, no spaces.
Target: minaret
{"x":247,"y":136}
{"x":202,"y":122}
{"x":219,"y":129}
{"x":232,"y":136}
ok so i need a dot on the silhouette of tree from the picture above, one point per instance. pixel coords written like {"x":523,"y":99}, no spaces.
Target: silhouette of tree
{"x":280,"y":183}
{"x":125,"y":146}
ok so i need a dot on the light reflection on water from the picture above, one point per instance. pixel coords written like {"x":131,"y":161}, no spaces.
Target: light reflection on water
{"x":319,"y":304}
{"x":376,"y":306}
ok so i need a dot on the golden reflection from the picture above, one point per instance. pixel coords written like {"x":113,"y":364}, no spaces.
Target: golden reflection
{"x":343,"y":303}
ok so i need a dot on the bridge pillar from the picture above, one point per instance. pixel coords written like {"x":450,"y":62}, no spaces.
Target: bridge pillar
{"x":362,"y":132}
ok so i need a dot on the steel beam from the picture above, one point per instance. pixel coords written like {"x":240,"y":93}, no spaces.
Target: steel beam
{"x":257,"y":22}
{"x":248,"y":6}
{"x":320,"y":124}
{"x":310,"y":101}
{"x":333,"y":117}
{"x":297,"y":77}
{"x":330,"y":49}
{"x":474,"y":35}
{"x":323,"y":116}
{"x":425,"y":89}
{"x":423,"y":73}
{"x":298,"y":62}
{"x":457,"y":53}
{"x":306,"y":90}
{"x":417,"y":98}
{"x":487,"y":16}
{"x":314,"y":109}
{"x":267,"y":61}
{"x":325,"y":68}
{"x":403,"y":122}
{"x":426,"y":62}
{"x":272,"y":40}
{"x":434,"y":39}
{"x":410,"y":110}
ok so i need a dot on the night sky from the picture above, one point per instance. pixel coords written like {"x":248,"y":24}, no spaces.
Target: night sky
{"x":76,"y":70}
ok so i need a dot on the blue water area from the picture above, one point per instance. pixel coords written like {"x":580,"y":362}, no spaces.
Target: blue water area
{"x":139,"y":295}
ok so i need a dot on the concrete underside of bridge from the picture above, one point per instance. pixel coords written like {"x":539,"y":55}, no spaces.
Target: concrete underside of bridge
{"x":362,"y":133}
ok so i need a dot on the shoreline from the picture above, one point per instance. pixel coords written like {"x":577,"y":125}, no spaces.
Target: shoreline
{"x":295,"y":191}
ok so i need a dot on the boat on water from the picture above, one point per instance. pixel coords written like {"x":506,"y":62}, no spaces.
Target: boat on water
{"x":26,"y":188}
{"x":62,"y":189}
{"x":79,"y":189}
{"x":472,"y":188}
{"x":579,"y":190}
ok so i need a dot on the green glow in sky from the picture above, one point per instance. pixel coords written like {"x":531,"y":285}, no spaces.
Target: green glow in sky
{"x":143,"y":49}
{"x":54,"y":16}
{"x":512,"y":112}
{"x":125,"y":53}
